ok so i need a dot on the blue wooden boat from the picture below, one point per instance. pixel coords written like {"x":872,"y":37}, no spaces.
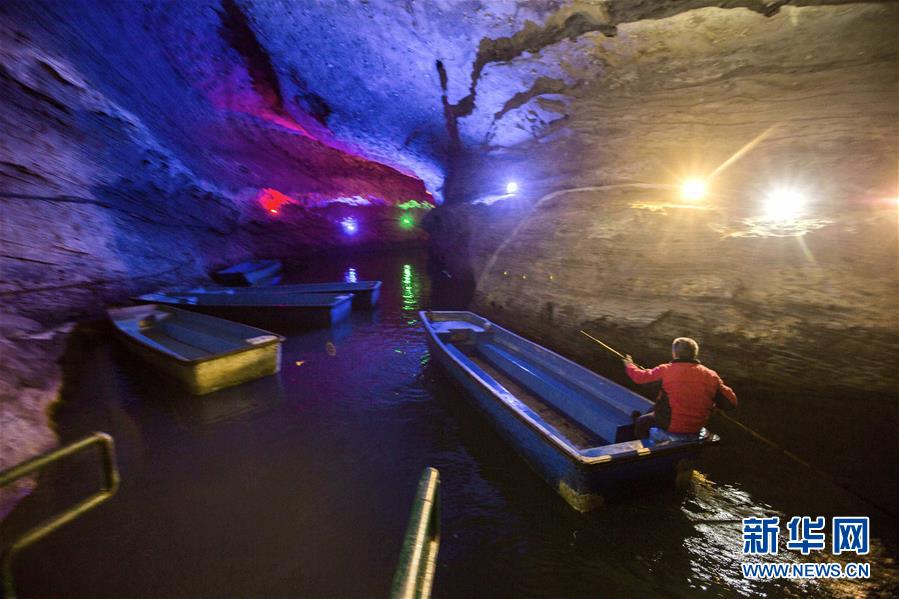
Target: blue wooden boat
{"x":365,"y":293}
{"x":252,"y":272}
{"x":572,"y":426}
{"x":282,"y":312}
{"x":204,"y":353}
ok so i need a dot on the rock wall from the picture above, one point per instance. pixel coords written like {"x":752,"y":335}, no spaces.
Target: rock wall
{"x":798,"y":311}
{"x":144,"y":144}
{"x":599,"y":232}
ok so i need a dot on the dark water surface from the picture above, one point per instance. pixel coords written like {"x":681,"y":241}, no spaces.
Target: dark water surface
{"x":300,"y":485}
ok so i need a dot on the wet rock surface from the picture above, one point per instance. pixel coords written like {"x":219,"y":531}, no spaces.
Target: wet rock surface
{"x":30,"y":381}
{"x":815,"y":311}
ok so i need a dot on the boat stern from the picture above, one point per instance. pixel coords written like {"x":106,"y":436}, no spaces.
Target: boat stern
{"x":580,"y":501}
{"x":233,"y":369}
{"x":341,"y":308}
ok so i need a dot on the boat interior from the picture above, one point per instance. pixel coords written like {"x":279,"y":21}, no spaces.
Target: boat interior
{"x":584,"y":408}
{"x":248,"y":298}
{"x":185,"y":335}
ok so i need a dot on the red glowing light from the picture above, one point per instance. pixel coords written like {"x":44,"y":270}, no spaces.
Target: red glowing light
{"x":272,"y":199}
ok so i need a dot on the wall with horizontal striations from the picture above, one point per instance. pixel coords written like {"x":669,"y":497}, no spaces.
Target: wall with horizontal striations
{"x":138,"y":144}
{"x":799,"y":314}
{"x":598,"y":233}
{"x":141,"y":145}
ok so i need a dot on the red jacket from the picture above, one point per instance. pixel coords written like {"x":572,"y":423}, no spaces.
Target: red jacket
{"x":691,"y":390}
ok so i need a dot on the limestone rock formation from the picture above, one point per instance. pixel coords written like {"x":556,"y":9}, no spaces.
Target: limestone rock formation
{"x":599,"y":209}
{"x":29,"y":386}
{"x":143,"y":144}
{"x":799,"y":310}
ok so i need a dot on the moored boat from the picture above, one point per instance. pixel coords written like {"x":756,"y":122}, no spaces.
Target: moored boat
{"x":365,"y":293}
{"x":203,"y":352}
{"x":250,"y":273}
{"x":571,"y":425}
{"x":260,"y":307}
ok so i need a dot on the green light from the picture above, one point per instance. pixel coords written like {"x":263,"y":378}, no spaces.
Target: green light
{"x":411,"y":288}
{"x":414,"y":204}
{"x":406,"y":221}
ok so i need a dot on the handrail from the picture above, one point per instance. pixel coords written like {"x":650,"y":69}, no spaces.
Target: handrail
{"x":418,"y":558}
{"x":109,"y":487}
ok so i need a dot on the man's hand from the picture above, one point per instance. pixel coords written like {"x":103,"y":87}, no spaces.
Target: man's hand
{"x":628,"y":360}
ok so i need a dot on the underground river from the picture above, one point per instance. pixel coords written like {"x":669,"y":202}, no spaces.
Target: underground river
{"x":300,"y":484}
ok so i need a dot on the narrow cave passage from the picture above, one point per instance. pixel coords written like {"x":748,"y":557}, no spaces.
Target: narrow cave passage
{"x":289,"y":256}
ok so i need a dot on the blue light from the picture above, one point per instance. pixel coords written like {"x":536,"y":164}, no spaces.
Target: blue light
{"x":350,"y":276}
{"x":349,"y":225}
{"x":511,"y":187}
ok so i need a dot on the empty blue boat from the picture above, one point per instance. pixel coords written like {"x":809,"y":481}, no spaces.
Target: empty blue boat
{"x":251,"y":272}
{"x":365,"y":293}
{"x":572,"y":426}
{"x":282,"y":312}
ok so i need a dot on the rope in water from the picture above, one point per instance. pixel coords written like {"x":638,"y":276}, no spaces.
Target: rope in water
{"x":774,"y":445}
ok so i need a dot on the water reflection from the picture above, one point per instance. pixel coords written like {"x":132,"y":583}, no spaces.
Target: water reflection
{"x":714,"y":546}
{"x":350,"y":275}
{"x":233,"y":403}
{"x":663,"y":541}
{"x":411,"y":288}
{"x":716,"y":512}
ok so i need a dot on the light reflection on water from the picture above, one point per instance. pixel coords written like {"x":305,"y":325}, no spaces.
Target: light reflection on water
{"x":273,"y":488}
{"x":716,"y":511}
{"x":411,"y":289}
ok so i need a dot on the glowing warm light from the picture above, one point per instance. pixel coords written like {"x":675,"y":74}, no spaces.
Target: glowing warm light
{"x":273,"y":200}
{"x":511,"y":187}
{"x":784,"y":204}
{"x":349,"y":225}
{"x":693,"y":190}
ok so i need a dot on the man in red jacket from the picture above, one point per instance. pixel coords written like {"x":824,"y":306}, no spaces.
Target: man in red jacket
{"x":691,"y":390}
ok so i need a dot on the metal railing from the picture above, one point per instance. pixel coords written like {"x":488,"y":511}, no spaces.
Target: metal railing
{"x":109,"y":486}
{"x":418,"y":558}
